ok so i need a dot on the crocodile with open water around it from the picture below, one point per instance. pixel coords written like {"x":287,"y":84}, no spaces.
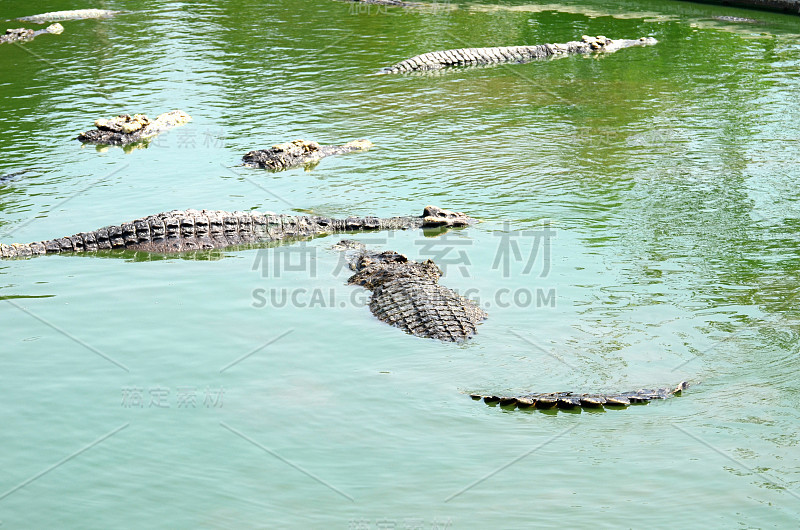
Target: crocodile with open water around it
{"x":75,"y":14}
{"x":126,"y":129}
{"x":181,"y":230}
{"x":570,"y":400}
{"x":23,"y":34}
{"x":406,"y":294}
{"x":299,"y":153}
{"x":511,"y":54}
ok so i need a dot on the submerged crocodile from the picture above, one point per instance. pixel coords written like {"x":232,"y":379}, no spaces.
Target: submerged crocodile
{"x":299,"y":153}
{"x":569,"y":400}
{"x":511,"y":54}
{"x":8,"y":177}
{"x":725,"y":18}
{"x":76,"y":14}
{"x":406,"y":294}
{"x":180,"y":230}
{"x":785,"y":6}
{"x":126,"y":129}
{"x":23,"y":34}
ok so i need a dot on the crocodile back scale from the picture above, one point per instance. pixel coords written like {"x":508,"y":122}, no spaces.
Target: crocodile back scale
{"x":126,"y":129}
{"x":511,"y":54}
{"x":76,"y":14}
{"x":182,"y":230}
{"x":299,"y":153}
{"x":570,"y":400}
{"x":406,"y":294}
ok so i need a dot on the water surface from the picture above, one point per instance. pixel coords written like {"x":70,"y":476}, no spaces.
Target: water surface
{"x":188,"y":392}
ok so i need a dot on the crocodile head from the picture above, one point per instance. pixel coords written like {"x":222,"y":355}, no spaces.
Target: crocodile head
{"x":124,"y":123}
{"x":374,"y":269}
{"x":297,"y":147}
{"x":433,"y":216}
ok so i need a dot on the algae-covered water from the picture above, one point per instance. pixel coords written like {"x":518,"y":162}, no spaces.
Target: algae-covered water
{"x":640,"y":226}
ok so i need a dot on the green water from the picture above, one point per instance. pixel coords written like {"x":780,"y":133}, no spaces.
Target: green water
{"x":183,"y":393}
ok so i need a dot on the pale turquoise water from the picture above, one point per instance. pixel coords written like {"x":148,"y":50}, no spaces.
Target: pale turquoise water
{"x":669,"y":174}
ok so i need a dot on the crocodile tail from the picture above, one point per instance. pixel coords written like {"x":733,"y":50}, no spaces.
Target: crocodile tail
{"x":570,"y":400}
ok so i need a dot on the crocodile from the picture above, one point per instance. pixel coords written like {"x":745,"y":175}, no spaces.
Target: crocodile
{"x":511,"y":54}
{"x":184,"y":230}
{"x":8,"y":177}
{"x":76,"y":14}
{"x":406,"y":294}
{"x":126,"y":129}
{"x":23,"y":34}
{"x":783,"y":6}
{"x":725,"y":18}
{"x":570,"y":400}
{"x":299,"y":153}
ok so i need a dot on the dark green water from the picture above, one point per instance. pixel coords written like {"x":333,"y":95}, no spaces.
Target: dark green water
{"x":668,"y":173}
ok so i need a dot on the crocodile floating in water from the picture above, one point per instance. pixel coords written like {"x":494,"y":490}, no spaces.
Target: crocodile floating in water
{"x":725,"y":18}
{"x":8,"y":177}
{"x":406,"y":294}
{"x":784,"y":6}
{"x":180,"y":230}
{"x":569,"y":400}
{"x":76,"y":14}
{"x":299,"y":153}
{"x":511,"y":54}
{"x":23,"y":34}
{"x":126,"y":129}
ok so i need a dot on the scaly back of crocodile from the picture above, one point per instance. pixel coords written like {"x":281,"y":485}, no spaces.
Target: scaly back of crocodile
{"x":570,"y":400}
{"x":180,"y":230}
{"x":299,"y":153}
{"x":76,"y":14}
{"x":126,"y":129}
{"x":426,"y":309}
{"x":406,"y":294}
{"x":511,"y":54}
